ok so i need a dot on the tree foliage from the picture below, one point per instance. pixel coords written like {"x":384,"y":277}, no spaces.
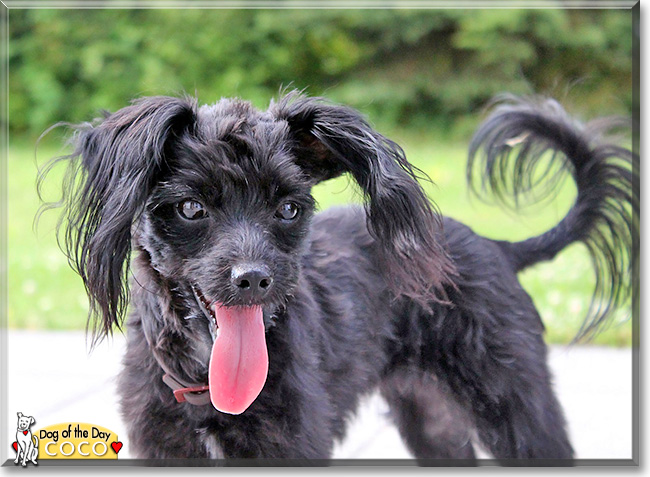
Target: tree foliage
{"x":401,"y":66}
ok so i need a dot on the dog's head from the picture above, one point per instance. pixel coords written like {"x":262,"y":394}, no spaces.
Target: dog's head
{"x":218,"y":201}
{"x":24,"y":422}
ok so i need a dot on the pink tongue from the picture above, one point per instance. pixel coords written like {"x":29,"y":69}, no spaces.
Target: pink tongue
{"x":239,"y":362}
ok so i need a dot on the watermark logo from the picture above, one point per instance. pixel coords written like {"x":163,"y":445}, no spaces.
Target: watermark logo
{"x":77,"y":440}
{"x":73,"y":440}
{"x":26,"y":444}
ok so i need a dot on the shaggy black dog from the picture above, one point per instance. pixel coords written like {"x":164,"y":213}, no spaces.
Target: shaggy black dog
{"x":256,"y":325}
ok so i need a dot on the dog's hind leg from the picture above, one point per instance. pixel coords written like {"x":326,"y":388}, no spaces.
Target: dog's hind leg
{"x":499,"y":372}
{"x":515,"y":409}
{"x":487,"y":346}
{"x":430,"y":420}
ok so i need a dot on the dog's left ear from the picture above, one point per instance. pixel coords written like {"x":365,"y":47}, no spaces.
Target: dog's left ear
{"x":110,"y":174}
{"x":330,"y":140}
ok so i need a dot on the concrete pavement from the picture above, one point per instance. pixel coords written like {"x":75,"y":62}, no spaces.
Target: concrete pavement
{"x":53,"y":378}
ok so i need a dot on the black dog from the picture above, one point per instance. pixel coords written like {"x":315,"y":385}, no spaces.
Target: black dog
{"x":272,"y":321}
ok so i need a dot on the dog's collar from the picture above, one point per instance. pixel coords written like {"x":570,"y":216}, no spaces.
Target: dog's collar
{"x":194,"y":394}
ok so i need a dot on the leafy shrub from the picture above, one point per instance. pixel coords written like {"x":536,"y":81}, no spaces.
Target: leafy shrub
{"x":407,"y":67}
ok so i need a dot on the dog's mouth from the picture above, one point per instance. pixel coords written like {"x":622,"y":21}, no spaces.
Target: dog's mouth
{"x":208,"y":310}
{"x":239,"y":361}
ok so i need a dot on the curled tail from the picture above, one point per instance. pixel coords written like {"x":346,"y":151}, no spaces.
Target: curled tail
{"x":525,"y":144}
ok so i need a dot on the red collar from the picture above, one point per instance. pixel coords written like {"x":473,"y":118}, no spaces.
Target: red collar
{"x":194,"y":394}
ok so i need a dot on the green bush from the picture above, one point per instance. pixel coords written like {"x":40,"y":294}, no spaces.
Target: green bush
{"x":406,"y":67}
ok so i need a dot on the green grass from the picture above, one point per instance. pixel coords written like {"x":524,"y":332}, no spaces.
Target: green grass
{"x":44,"y":293}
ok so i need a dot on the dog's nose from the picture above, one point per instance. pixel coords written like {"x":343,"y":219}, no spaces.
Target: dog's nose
{"x":253,"y":281}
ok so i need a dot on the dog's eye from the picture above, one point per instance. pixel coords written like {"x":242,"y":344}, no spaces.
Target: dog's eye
{"x":288,"y":211}
{"x":191,"y":210}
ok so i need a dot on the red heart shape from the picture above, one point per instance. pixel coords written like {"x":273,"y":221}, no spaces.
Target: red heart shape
{"x":15,"y":446}
{"x":25,"y":433}
{"x":116,"y":446}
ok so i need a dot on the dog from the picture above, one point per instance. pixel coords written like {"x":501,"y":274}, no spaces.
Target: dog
{"x":257,"y":324}
{"x":27,"y":449}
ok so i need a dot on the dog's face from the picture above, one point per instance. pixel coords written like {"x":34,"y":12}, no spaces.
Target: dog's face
{"x":228,"y":214}
{"x":226,"y":222}
{"x":218,"y":201}
{"x":24,"y":422}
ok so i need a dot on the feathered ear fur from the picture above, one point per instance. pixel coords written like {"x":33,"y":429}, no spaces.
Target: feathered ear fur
{"x":332,"y":140}
{"x":108,"y":180}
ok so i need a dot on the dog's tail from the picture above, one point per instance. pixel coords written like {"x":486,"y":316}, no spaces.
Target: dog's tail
{"x":524,"y":144}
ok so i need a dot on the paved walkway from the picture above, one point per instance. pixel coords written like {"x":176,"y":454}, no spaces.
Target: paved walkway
{"x":52,"y":377}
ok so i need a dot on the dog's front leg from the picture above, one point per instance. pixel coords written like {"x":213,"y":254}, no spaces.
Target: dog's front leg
{"x":23,"y":449}
{"x":29,"y":448}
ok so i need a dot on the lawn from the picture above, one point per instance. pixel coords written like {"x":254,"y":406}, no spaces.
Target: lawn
{"x":44,"y":293}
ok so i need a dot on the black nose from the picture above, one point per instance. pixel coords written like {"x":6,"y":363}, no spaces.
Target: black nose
{"x":252,"y":281}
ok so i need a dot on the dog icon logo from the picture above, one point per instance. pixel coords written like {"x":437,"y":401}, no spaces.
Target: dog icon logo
{"x":26,"y":445}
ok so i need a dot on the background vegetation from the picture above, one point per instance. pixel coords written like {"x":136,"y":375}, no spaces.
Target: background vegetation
{"x":406,"y":67}
{"x":422,"y":77}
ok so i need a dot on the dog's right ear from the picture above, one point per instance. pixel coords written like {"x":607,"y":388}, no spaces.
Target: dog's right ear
{"x":329,"y":140}
{"x":110,"y":175}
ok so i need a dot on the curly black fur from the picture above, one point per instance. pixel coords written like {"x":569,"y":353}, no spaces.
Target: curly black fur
{"x":390,"y":296}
